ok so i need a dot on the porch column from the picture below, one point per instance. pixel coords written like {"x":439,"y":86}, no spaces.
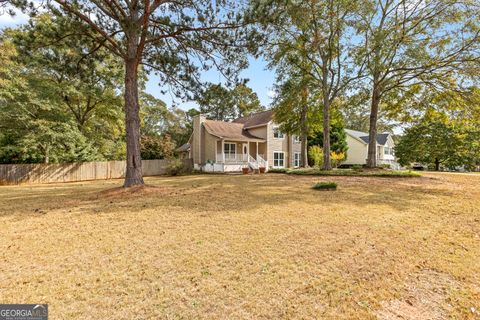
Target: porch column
{"x":223,"y":151}
{"x":256,"y":158}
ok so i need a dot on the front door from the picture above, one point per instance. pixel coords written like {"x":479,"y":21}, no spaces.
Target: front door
{"x":245,"y":151}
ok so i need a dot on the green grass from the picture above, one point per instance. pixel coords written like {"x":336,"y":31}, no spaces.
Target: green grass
{"x":278,"y":170}
{"x":351,"y":173}
{"x":325,"y":186}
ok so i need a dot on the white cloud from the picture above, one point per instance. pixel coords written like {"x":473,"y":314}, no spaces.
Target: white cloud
{"x":271,"y":94}
{"x":6,"y":20}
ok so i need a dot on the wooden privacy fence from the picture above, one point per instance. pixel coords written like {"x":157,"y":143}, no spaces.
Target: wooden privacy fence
{"x":70,"y":172}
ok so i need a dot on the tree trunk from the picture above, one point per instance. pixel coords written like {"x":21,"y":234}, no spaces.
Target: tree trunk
{"x":304,"y":130}
{"x":372,"y":132}
{"x":327,"y":165}
{"x":46,"y":154}
{"x":133,"y":175}
{"x":437,"y":165}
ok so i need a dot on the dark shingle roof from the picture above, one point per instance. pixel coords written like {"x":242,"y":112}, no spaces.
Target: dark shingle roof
{"x":184,"y":147}
{"x":255,"y":119}
{"x":381,"y":137}
{"x":229,"y":130}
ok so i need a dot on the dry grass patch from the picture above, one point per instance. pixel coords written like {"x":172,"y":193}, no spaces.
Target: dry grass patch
{"x":245,"y":247}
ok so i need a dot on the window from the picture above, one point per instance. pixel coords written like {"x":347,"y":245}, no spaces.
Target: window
{"x":296,"y":159}
{"x":277,"y":134}
{"x":296,"y":139}
{"x":278,"y":160}
{"x":386,"y":150}
{"x":229,"y":150}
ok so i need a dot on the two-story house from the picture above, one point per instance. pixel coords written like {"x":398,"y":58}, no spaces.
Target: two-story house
{"x":254,"y":141}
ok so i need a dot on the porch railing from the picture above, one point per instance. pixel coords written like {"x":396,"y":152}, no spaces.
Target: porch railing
{"x":238,"y":159}
{"x":232,"y":158}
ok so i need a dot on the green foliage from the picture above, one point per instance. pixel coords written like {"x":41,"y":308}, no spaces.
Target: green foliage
{"x":357,"y":167}
{"x":175,"y":167}
{"x":278,"y":170}
{"x":406,"y":47}
{"x":220,"y":103}
{"x":315,"y":154}
{"x":156,"y":147}
{"x":46,"y":141}
{"x":338,"y":136}
{"x":294,"y":104}
{"x":355,"y":111}
{"x":325,"y":186}
{"x":159,"y":120}
{"x":437,"y":140}
{"x":56,"y":99}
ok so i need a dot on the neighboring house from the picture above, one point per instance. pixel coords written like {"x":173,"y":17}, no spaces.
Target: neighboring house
{"x":358,"y":149}
{"x":184,"y":151}
{"x":254,"y":141}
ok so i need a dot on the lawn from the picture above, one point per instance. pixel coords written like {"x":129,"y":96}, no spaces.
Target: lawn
{"x":350,"y":173}
{"x":245,"y":247}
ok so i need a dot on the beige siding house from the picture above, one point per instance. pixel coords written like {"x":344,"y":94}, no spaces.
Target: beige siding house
{"x":251,"y":142}
{"x":358,"y":149}
{"x":255,"y":141}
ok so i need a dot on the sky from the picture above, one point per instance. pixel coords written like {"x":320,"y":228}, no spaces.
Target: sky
{"x":260,"y":79}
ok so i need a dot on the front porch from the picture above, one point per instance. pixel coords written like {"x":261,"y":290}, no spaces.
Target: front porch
{"x":232,"y":156}
{"x":240,"y":152}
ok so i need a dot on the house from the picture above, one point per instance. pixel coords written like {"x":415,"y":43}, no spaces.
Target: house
{"x":256,"y":141}
{"x":358,"y":149}
{"x":253,"y":141}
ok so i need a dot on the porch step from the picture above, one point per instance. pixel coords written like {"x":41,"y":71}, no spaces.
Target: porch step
{"x":253,"y":165}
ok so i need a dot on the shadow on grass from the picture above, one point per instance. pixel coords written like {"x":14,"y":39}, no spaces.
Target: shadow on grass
{"x":210,"y":194}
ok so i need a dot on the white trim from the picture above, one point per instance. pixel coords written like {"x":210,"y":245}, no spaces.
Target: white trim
{"x":223,"y":151}
{"x":273,"y":163}
{"x":257,"y":126}
{"x":248,"y":148}
{"x":235,"y":149}
{"x":296,"y":139}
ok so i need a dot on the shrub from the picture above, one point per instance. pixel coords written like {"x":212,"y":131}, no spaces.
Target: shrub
{"x":357,"y":167}
{"x":325,"y":186}
{"x":315,"y":153}
{"x":156,"y":147}
{"x":175,"y":167}
{"x":278,"y":170}
{"x":385,"y":166}
{"x":337,"y":158}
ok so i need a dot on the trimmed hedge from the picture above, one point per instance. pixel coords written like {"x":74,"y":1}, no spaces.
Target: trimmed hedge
{"x":325,"y":186}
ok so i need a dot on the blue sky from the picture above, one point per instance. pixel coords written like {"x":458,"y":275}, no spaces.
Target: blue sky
{"x":260,"y":79}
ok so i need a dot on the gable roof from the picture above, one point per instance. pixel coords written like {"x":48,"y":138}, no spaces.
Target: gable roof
{"x":364,"y":137}
{"x":255,"y":119}
{"x":229,"y":130}
{"x":184,"y":147}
